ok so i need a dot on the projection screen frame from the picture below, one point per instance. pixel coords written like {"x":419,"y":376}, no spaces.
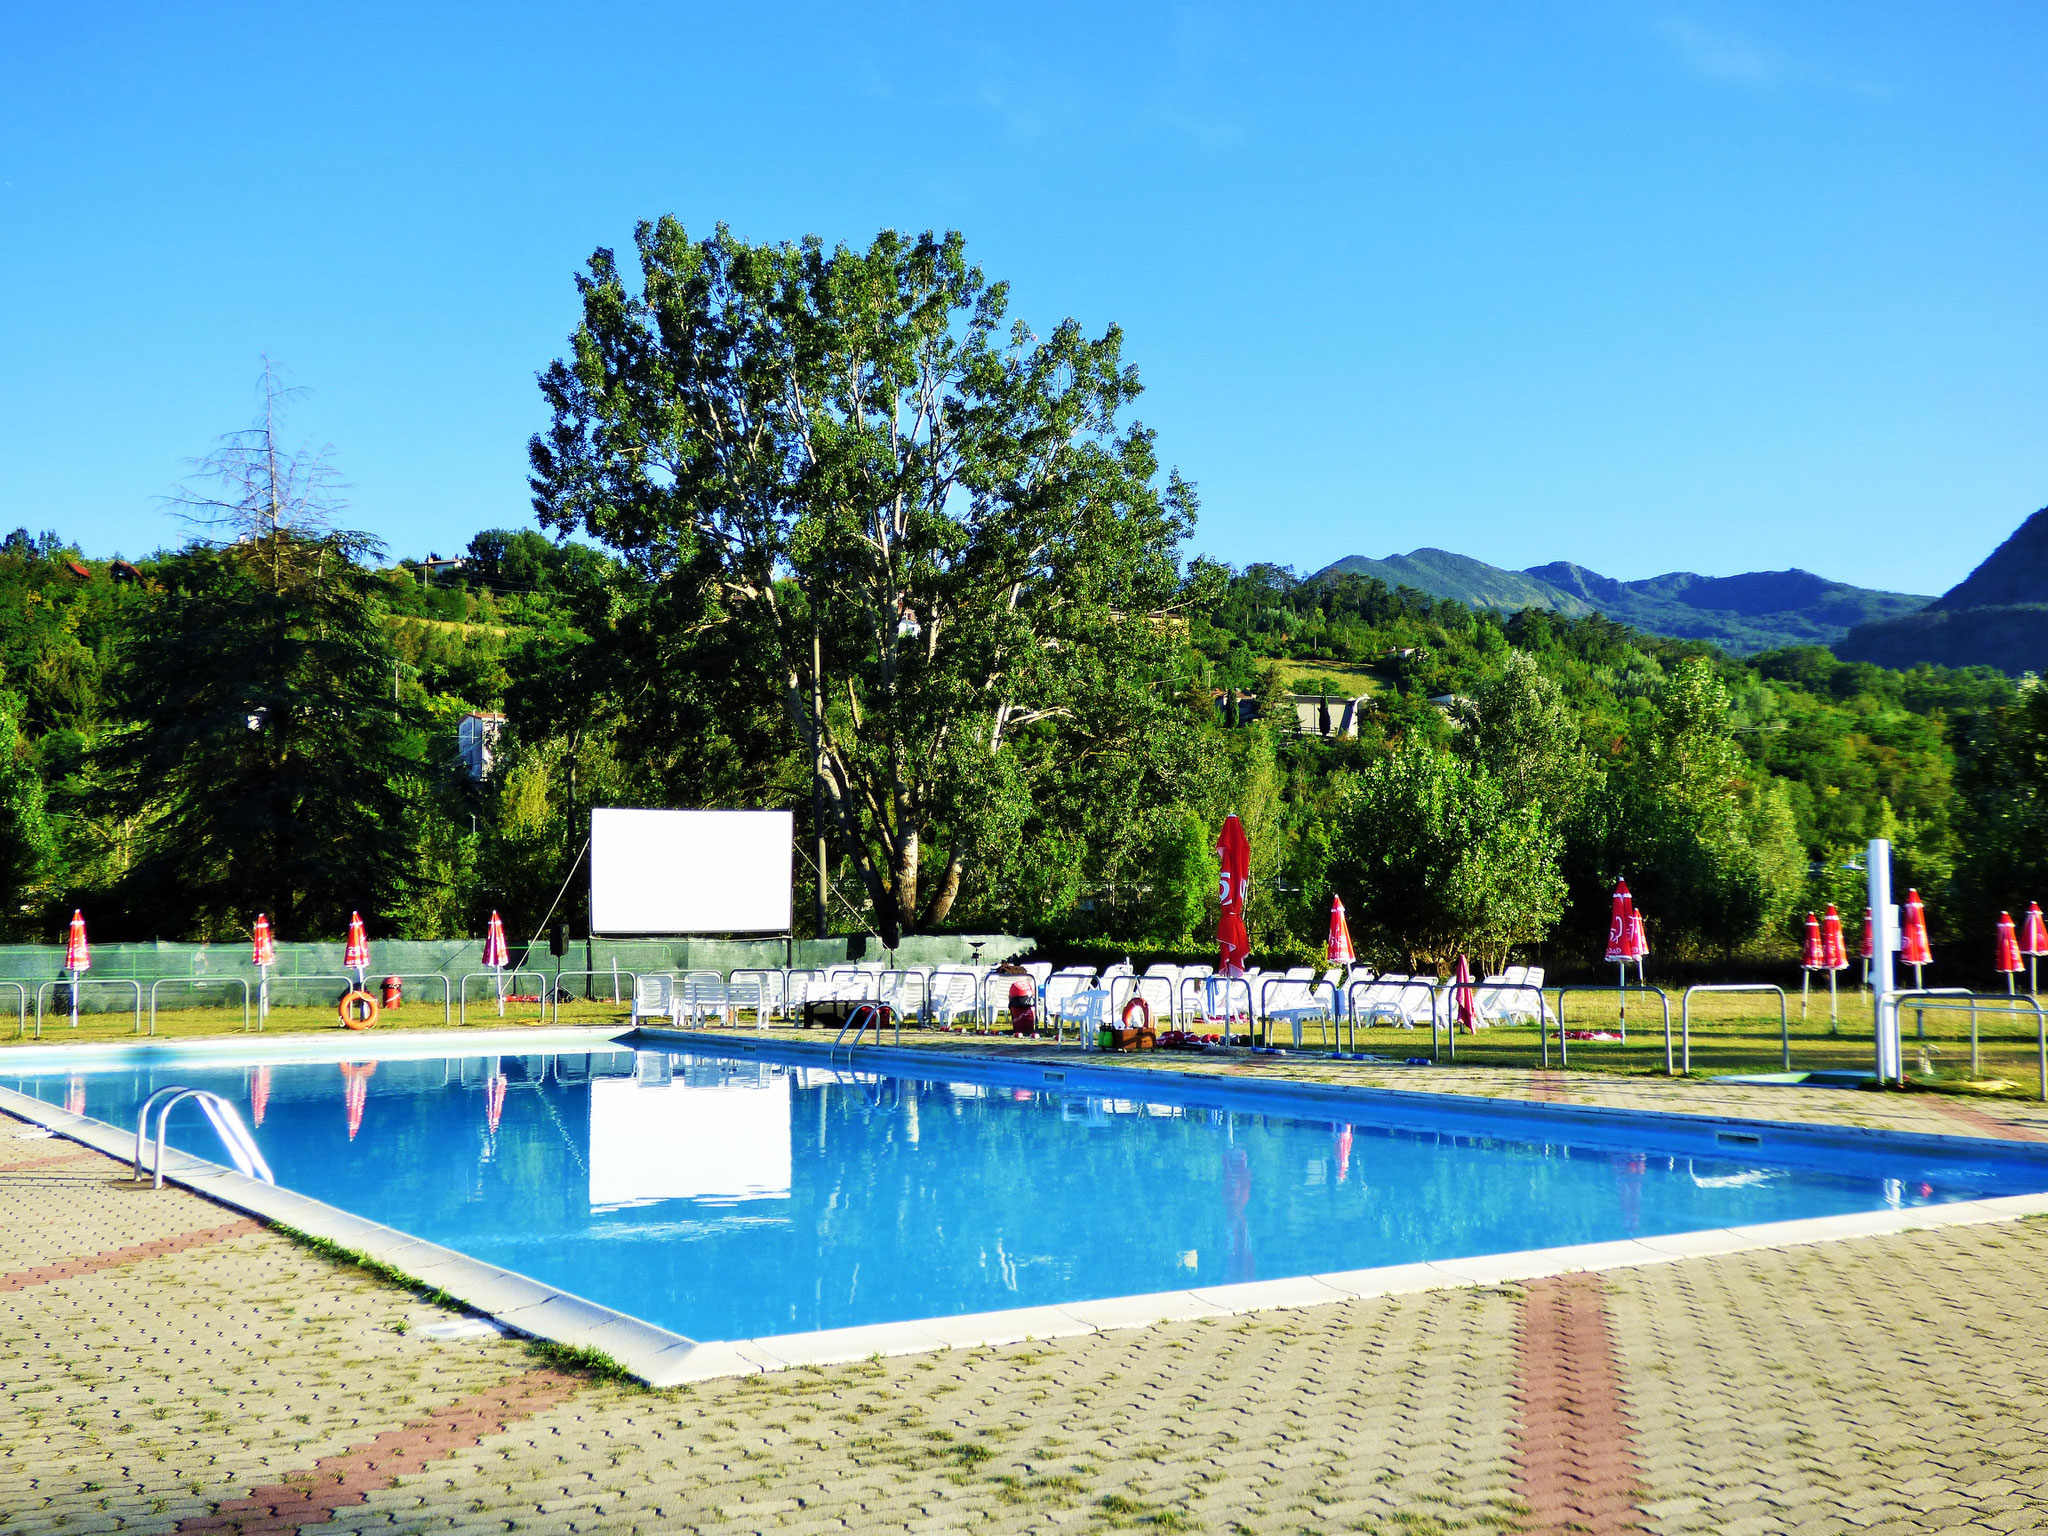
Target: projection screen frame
{"x":667,"y":902}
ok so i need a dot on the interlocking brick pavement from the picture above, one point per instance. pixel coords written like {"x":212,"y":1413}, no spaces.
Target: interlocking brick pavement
{"x":1575,"y":1460}
{"x":1888,"y":1384}
{"x":1883,"y":1384}
{"x":135,"y":1395}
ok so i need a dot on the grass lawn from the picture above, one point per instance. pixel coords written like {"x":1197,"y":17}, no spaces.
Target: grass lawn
{"x":1350,"y":681}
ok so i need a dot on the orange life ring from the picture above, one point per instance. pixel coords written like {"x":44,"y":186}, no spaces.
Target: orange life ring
{"x":348,"y":1019}
{"x":1137,"y":1002}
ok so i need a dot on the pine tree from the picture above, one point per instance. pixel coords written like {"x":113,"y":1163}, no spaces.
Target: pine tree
{"x":272,"y":768}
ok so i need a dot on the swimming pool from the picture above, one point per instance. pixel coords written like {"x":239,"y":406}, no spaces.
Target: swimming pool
{"x":737,"y":1193}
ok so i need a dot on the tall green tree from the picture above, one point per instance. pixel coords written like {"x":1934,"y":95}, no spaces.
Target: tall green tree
{"x":1526,"y":736}
{"x":265,"y":757}
{"x":1436,"y":859}
{"x":1707,"y":842}
{"x":929,"y":533}
{"x":28,"y":843}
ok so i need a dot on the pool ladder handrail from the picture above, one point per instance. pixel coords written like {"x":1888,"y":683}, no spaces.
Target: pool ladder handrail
{"x":226,"y":1121}
{"x":858,"y":1021}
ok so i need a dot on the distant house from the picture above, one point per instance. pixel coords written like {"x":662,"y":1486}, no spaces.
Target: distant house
{"x":1315,"y":714}
{"x":476,"y":740}
{"x":1327,"y":714}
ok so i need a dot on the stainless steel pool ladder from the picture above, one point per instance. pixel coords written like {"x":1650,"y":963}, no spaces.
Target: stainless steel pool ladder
{"x":858,"y":1021}
{"x":226,"y":1121}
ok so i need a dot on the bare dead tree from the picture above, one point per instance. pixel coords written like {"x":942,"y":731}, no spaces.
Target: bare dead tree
{"x":252,"y":486}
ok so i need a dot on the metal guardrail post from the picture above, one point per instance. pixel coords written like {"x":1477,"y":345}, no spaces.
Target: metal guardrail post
{"x":789,"y":987}
{"x":1956,"y":1000}
{"x":200,"y":981}
{"x":555,"y":987}
{"x":924,"y":1001}
{"x":448,"y":990}
{"x":1663,"y":997}
{"x":764,"y":1002}
{"x":90,"y":981}
{"x":462,"y":990}
{"x":1685,"y":1021}
{"x":22,"y":1032}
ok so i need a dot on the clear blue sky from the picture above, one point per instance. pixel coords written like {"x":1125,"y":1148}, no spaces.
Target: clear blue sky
{"x":1695,"y":286}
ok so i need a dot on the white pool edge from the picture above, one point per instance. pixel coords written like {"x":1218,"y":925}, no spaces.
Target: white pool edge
{"x":665,"y":1359}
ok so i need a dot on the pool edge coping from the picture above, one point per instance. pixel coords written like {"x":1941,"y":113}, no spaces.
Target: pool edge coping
{"x":662,"y":1358}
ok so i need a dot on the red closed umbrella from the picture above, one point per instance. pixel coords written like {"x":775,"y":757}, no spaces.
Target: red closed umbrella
{"x":497,"y":956}
{"x":2008,"y":947}
{"x":77,"y":959}
{"x":1834,"y":957}
{"x":1913,"y":948}
{"x":1338,"y":947}
{"x":1810,"y":953}
{"x":1834,"y":953}
{"x":263,"y":955}
{"x":2033,"y":940}
{"x":1625,"y":940}
{"x":1618,"y":924}
{"x":1234,"y":852}
{"x":1462,"y":996}
{"x":1867,"y":950}
{"x":357,"y":956}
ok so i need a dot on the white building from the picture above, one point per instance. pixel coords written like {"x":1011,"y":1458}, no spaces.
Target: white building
{"x":476,"y":739}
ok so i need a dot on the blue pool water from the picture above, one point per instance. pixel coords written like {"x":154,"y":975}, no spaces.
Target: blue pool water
{"x":731,"y":1196}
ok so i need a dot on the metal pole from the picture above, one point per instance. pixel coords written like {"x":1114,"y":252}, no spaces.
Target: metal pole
{"x":1883,"y":926}
{"x":818,"y":776}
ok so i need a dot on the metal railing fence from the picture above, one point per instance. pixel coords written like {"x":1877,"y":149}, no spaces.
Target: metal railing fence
{"x":1685,"y":1021}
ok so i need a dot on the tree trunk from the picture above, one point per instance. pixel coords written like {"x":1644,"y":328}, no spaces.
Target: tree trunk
{"x":943,"y":897}
{"x":904,"y":880}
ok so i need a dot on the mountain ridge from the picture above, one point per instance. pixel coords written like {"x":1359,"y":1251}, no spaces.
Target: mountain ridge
{"x":1745,"y":613}
{"x":1997,"y":616}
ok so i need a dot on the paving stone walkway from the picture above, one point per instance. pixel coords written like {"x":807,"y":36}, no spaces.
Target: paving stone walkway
{"x":168,"y":1366}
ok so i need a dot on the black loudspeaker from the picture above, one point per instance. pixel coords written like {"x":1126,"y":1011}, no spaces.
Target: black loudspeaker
{"x":558,"y":939}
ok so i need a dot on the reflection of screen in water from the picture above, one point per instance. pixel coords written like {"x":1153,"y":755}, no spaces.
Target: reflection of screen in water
{"x":679,"y":1141}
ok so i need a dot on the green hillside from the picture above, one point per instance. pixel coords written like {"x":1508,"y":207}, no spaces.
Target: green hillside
{"x":1997,"y":616}
{"x":1441,"y":573}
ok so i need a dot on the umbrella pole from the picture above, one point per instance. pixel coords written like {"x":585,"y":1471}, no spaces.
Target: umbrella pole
{"x":1621,"y":986}
{"x":1832,"y":1018}
{"x":1919,"y":1015}
{"x":1805,"y":981}
{"x":499,"y":972}
{"x":2032,"y":990}
{"x":74,"y":999}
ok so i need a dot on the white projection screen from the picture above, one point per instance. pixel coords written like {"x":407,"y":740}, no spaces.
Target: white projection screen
{"x":678,"y":872}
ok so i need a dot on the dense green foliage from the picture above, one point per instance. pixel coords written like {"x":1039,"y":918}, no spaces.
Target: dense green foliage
{"x":874,"y":553}
{"x":1562,"y":753}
